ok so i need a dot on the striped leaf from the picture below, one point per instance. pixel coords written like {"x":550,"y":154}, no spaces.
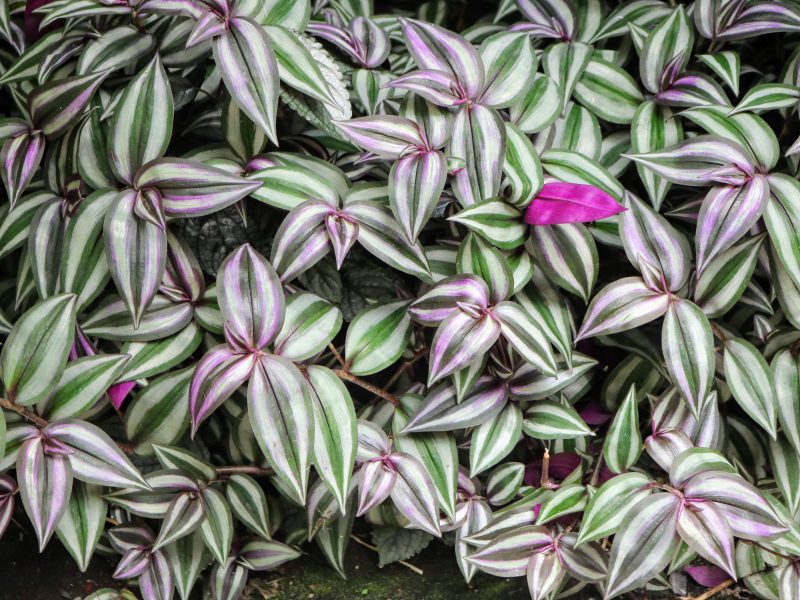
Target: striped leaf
{"x":610,"y":506}
{"x":623,"y":443}
{"x":782,"y":218}
{"x":20,"y":156}
{"x":416,"y":182}
{"x":288,"y":186}
{"x":414,"y":493}
{"x":688,"y":347}
{"x":184,"y":515}
{"x":649,"y":238}
{"x":45,"y":484}
{"x":249,"y":68}
{"x":15,"y":224}
{"x":508,"y":554}
{"x":282,"y":419}
{"x":192,"y":189}
{"x":768,"y":96}
{"x":542,"y":303}
{"x":639,"y":12}
{"x":56,"y":105}
{"x":622,"y":305}
{"x":82,"y":384}
{"x":188,"y":556}
{"x":478,"y":257}
{"x":568,"y":256}
{"x":785,"y":465}
{"x":477,"y":127}
{"x":82,"y":524}
{"x":568,"y":499}
{"x":506,"y":56}
{"x":136,"y":250}
{"x":538,"y":107}
{"x":645,"y":543}
{"x":654,"y":128}
{"x":529,"y":383}
{"x":444,"y":299}
{"x":435,"y":451}
{"x":725,"y":277}
{"x":35,"y":353}
{"x":142,"y":123}
{"x":503,"y":483}
{"x":159,"y":414}
{"x":94,"y":457}
{"x":302,"y":239}
{"x":524,"y":334}
{"x":521,"y":167}
{"x":786,"y":384}
{"x":574,"y":167}
{"x":497,"y":222}
{"x":564,"y":63}
{"x":668,"y":46}
{"x":459,"y":340}
{"x":116,"y":48}
{"x":608,"y":91}
{"x":750,"y":380}
{"x":440,"y":411}
{"x":310,"y":324}
{"x":248,"y":504}
{"x":388,"y":136}
{"x":377,"y":337}
{"x":162,"y":318}
{"x":727,"y":214}
{"x":550,"y":420}
{"x":335,"y":436}
{"x":380,"y":234}
{"x":493,"y":440}
{"x":726,"y":65}
{"x":217,"y":528}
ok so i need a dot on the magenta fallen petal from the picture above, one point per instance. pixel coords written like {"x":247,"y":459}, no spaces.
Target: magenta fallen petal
{"x":707,"y":576}
{"x":119,"y":391}
{"x":593,"y":414}
{"x":560,"y":202}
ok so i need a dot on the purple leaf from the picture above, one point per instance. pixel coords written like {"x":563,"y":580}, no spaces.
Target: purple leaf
{"x":119,"y":391}
{"x":706,"y":576}
{"x":559,"y":202}
{"x":439,"y":87}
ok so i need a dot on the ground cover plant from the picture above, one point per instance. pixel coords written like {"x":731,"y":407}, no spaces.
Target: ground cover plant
{"x":522,"y":278}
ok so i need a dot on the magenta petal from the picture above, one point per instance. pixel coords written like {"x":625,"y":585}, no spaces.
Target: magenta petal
{"x":707,"y":576}
{"x":119,"y":391}
{"x":559,"y":202}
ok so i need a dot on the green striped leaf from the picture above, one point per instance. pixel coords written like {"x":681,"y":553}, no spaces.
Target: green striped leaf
{"x":477,"y":127}
{"x":521,"y":167}
{"x":493,"y":440}
{"x":567,"y":499}
{"x":309,"y":325}
{"x":416,"y":182}
{"x":504,"y":483}
{"x":786,"y":381}
{"x":82,"y":524}
{"x":115,"y":49}
{"x":577,"y":131}
{"x":159,"y":414}
{"x":539,"y":107}
{"x":15,"y":223}
{"x":288,"y":186}
{"x":608,"y":91}
{"x":35,"y":353}
{"x":550,"y":420}
{"x":142,"y":123}
{"x":725,"y":65}
{"x":670,"y":40}
{"x":217,"y":528}
{"x":188,"y":557}
{"x":623,"y":443}
{"x":654,"y":128}
{"x":547,"y":308}
{"x":724,"y":279}
{"x":750,"y":381}
{"x":153,"y":358}
{"x":84,"y":268}
{"x":505,"y":56}
{"x":574,"y":167}
{"x":335,"y":436}
{"x":568,"y":256}
{"x":785,"y":464}
{"x":249,"y":504}
{"x":436,"y":451}
{"x":688,"y":347}
{"x":609,"y":507}
{"x":82,"y":384}
{"x":768,"y":96}
{"x":529,"y":383}
{"x":524,"y":334}
{"x":498,"y":222}
{"x":478,"y":257}
{"x":782,"y":218}
{"x":377,"y":337}
{"x":564,"y":63}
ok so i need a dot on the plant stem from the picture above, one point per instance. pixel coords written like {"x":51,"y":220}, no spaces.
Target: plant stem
{"x":347,"y":376}
{"x":715,"y":590}
{"x":24,"y":412}
{"x":253,"y":470}
{"x":335,"y":352}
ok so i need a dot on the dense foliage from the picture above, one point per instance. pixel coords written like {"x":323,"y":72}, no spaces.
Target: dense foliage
{"x":274,"y":271}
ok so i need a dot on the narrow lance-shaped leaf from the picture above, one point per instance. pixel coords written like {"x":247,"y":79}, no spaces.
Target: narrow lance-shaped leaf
{"x":748,"y":376}
{"x":20,"y":156}
{"x":416,"y":182}
{"x":377,"y":337}
{"x":56,"y":105}
{"x":623,"y":443}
